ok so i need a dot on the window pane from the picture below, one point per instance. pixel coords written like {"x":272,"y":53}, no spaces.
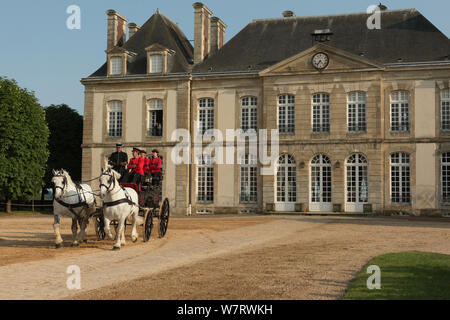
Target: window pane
{"x":116,"y":65}
{"x":156,"y":65}
{"x":321,"y":113}
{"x":356,"y":111}
{"x":400,"y":178}
{"x":400,"y":111}
{"x":115,"y":119}
{"x":445,"y":109}
{"x":286,"y":114}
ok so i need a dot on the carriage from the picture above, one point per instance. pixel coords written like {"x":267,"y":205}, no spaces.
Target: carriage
{"x":151,"y":205}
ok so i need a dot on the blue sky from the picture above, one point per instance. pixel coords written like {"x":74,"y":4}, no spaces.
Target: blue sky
{"x":44,"y":56}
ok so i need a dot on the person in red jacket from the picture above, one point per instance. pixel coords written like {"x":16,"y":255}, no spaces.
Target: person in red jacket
{"x":155,"y":167}
{"x":135,"y":168}
{"x":143,"y":155}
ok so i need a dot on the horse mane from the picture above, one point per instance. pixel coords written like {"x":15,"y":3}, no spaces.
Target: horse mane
{"x":69,"y":179}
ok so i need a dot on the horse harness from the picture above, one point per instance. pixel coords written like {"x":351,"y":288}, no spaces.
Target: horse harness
{"x":127,"y":198}
{"x":80,"y":193}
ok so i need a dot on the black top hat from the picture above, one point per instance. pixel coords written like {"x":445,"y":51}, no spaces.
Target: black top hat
{"x":155,"y":150}
{"x":136,"y":149}
{"x":118,"y":145}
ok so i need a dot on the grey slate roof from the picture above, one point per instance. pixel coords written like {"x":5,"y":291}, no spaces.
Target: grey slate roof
{"x":405,"y":34}
{"x":158,"y":29}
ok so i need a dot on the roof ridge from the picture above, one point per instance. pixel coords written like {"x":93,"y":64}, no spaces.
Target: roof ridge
{"x":328,"y":15}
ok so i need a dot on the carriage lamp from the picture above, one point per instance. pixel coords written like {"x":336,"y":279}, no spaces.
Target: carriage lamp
{"x":337,"y":165}
{"x":302,"y":165}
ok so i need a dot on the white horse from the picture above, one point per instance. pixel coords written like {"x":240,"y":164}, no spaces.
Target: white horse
{"x":70,"y":201}
{"x":119,"y":204}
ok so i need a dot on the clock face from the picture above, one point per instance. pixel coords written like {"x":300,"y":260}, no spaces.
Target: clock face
{"x":320,"y":60}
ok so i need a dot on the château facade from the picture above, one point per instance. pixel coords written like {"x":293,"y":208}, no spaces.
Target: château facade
{"x":363,"y":114}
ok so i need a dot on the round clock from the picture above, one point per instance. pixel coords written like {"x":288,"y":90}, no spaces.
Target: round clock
{"x":320,"y":60}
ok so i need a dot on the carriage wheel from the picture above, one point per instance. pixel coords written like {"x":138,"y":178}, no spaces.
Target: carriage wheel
{"x":148,"y":225}
{"x":164,"y":212}
{"x":100,"y":228}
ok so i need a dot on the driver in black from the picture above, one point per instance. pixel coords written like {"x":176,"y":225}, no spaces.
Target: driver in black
{"x":118,"y":160}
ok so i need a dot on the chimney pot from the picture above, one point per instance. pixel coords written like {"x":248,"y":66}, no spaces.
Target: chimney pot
{"x":117,"y":31}
{"x":132,"y":29}
{"x":217,"y":38}
{"x":202,"y":22}
{"x":288,"y":14}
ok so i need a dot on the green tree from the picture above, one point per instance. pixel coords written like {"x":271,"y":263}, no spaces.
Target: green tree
{"x":64,"y":143}
{"x":23,"y":147}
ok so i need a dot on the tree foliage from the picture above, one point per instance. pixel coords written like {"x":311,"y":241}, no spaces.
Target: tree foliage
{"x":64,"y":143}
{"x":23,"y":142}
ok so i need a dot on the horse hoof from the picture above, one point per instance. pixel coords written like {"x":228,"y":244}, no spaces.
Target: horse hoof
{"x":58,"y":245}
{"x":134,"y":240}
{"x":116,"y":248}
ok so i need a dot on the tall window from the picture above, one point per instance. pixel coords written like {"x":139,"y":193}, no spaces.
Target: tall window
{"x":321,"y":179}
{"x":115,"y":119}
{"x":286,"y":179}
{"x":156,"y":63}
{"x":445,"y":109}
{"x":205,"y":179}
{"x":286,"y":114}
{"x":445,"y":177}
{"x":249,"y":113}
{"x":356,"y":111}
{"x":321,"y":113}
{"x":357,"y":179}
{"x":116,"y":65}
{"x":400,"y":178}
{"x":400,"y":111}
{"x":249,"y":179}
{"x":155,"y":117}
{"x":206,"y":114}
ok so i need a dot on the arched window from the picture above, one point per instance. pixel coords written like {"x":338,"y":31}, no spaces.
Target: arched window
{"x":286,"y":179}
{"x":357,"y":179}
{"x":205,"y":114}
{"x":249,"y":179}
{"x":286,"y":114}
{"x":400,"y":111}
{"x":115,"y":118}
{"x":356,"y":111}
{"x":249,"y":113}
{"x":400,"y":178}
{"x":445,"y":177}
{"x":205,"y":179}
{"x":155,"y":118}
{"x":321,"y":113}
{"x":445,"y":110}
{"x":321,"y":179}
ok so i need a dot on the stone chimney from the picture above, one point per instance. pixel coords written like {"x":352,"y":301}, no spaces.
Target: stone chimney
{"x":117,"y":29}
{"x":202,"y":17}
{"x":288,"y":14}
{"x":132,"y":29}
{"x":217,"y":34}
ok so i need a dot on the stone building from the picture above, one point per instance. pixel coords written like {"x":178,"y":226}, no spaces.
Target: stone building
{"x":363,"y":114}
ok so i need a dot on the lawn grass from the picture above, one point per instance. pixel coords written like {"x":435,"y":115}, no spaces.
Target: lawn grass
{"x":405,"y":276}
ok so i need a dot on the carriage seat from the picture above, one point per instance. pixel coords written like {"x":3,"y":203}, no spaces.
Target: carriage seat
{"x":134,"y":186}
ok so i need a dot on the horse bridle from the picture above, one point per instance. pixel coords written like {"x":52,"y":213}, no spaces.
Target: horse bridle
{"x":111,"y":181}
{"x":64,"y":183}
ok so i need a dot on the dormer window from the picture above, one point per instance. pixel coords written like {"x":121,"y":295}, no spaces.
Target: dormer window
{"x":116,"y":66}
{"x":158,"y":59}
{"x":117,"y":61}
{"x":156,"y":63}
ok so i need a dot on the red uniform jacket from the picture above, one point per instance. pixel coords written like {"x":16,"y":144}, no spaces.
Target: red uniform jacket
{"x":146,"y":165}
{"x":136,"y":165}
{"x":155,"y":164}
